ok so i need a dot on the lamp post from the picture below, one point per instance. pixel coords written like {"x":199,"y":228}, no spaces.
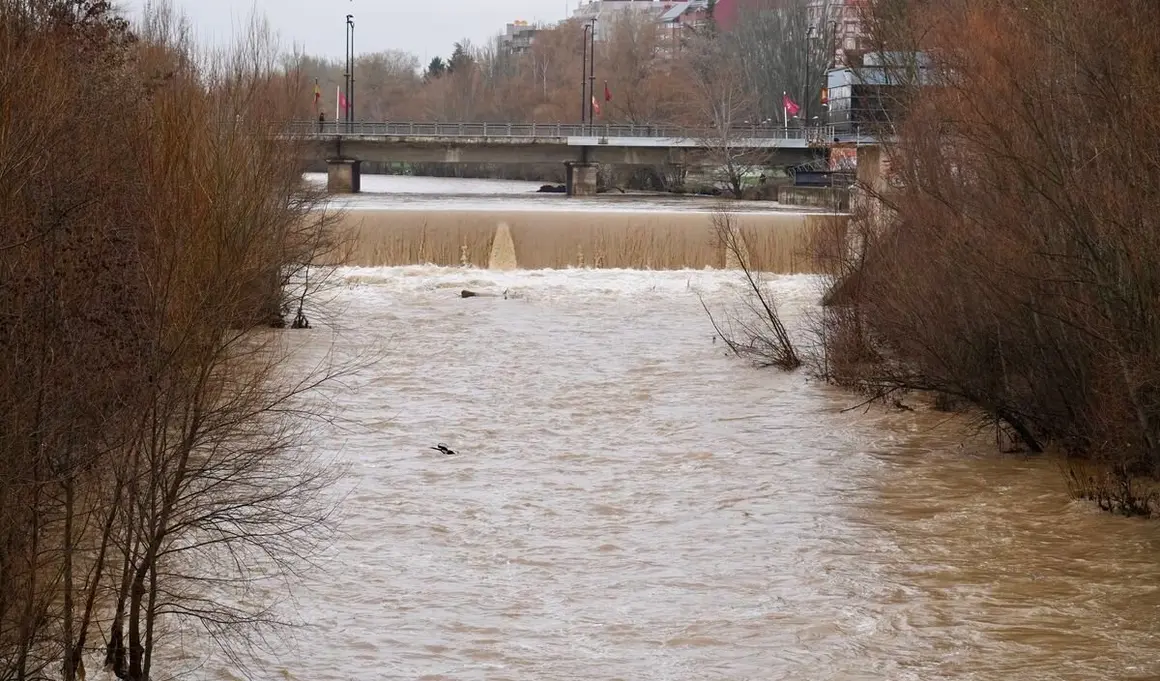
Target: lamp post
{"x":806,"y":92}
{"x":587,"y":71}
{"x":584,"y":73}
{"x":831,"y":49}
{"x":350,"y":68}
{"x":592,"y":71}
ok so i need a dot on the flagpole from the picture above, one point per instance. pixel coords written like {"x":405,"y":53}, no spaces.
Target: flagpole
{"x":337,"y":94}
{"x":784,"y":113}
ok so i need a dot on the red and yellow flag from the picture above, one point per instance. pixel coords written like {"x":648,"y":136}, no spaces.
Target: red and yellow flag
{"x":317,"y":94}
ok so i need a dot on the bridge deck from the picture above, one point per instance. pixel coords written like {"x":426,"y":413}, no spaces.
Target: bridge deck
{"x":754,"y":137}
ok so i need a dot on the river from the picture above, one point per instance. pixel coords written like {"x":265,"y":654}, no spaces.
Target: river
{"x":628,"y":502}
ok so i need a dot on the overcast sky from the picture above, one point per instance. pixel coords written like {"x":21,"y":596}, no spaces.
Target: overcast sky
{"x":423,"y":27}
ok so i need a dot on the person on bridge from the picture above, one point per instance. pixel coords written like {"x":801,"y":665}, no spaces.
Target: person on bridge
{"x":321,"y":120}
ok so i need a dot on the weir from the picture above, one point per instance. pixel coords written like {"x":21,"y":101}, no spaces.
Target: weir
{"x":597,"y":239}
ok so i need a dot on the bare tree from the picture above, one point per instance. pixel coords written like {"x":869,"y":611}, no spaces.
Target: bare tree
{"x":786,"y":48}
{"x":755,"y":332}
{"x":631,"y":60}
{"x":1008,"y":266}
{"x":150,"y":220}
{"x":721,"y":109}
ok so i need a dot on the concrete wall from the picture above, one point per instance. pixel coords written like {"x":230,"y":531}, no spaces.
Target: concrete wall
{"x":580,"y":179}
{"x":343,"y":176}
{"x":834,"y":198}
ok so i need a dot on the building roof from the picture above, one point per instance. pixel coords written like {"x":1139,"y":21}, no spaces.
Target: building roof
{"x":673,"y":13}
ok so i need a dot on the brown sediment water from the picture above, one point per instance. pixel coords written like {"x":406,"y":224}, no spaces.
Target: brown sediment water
{"x":629,"y":502}
{"x":531,"y":239}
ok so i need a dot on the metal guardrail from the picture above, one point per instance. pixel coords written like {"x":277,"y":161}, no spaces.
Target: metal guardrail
{"x":549,"y":131}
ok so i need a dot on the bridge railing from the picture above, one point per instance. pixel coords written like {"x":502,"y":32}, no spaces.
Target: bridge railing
{"x":548,"y":130}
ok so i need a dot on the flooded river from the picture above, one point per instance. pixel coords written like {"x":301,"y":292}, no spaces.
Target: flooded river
{"x":629,"y":503}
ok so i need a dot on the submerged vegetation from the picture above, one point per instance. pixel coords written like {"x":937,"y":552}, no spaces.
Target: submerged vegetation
{"x":151,"y":460}
{"x":1005,"y":257}
{"x":755,"y":331}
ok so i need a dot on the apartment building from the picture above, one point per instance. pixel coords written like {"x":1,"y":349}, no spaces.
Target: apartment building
{"x":604,"y":11}
{"x":518,"y":36}
{"x":838,"y":20}
{"x":842,"y":22}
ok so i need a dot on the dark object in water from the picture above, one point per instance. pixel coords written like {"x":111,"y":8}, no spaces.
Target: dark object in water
{"x":472,"y":294}
{"x":552,"y":189}
{"x":443,"y":449}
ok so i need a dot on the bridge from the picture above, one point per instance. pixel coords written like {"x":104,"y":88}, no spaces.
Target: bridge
{"x":580,"y":147}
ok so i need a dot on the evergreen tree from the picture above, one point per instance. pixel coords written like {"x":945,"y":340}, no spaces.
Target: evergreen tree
{"x":436,"y":68}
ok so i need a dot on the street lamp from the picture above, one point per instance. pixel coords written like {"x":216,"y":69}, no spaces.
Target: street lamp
{"x":587,"y":71}
{"x":592,"y":71}
{"x":350,"y":68}
{"x":584,"y":73}
{"x":806,"y":94}
{"x":345,"y":71}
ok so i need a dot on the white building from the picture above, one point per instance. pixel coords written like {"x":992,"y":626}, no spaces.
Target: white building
{"x":604,"y":11}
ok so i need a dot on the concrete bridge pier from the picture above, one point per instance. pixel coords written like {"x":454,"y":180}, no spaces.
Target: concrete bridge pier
{"x":580,"y":178}
{"x":343,"y":176}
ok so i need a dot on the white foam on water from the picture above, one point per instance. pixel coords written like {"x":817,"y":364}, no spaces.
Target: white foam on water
{"x":793,"y":291}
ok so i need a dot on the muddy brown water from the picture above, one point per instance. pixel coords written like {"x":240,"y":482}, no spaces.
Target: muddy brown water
{"x":629,"y":503}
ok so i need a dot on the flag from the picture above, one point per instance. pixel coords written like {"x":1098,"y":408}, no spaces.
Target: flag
{"x":790,"y":106}
{"x":339,"y":103}
{"x":825,"y":95}
{"x":607,"y":92}
{"x":595,"y":106}
{"x":317,"y":94}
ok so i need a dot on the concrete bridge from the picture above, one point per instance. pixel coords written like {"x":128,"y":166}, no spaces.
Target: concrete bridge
{"x":580,"y":147}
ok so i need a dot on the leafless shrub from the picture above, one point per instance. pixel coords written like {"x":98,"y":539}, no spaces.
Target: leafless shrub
{"x":1112,"y":487}
{"x":1008,"y":261}
{"x":153,"y":458}
{"x":756,"y":333}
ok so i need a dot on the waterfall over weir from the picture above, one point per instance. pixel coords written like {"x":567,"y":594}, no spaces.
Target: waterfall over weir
{"x":539,"y":239}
